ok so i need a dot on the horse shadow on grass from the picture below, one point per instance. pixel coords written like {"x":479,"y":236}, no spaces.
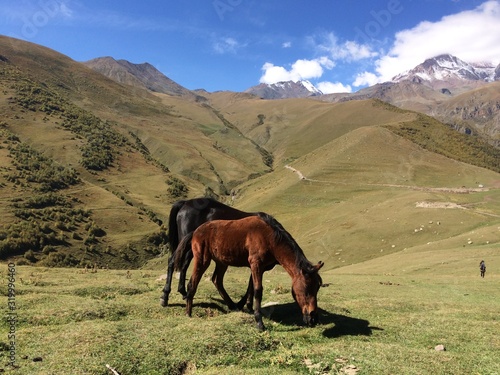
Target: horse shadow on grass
{"x":216,"y":306}
{"x":290,"y":315}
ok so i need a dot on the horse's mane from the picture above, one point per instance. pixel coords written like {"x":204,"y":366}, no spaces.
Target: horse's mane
{"x":282,"y":236}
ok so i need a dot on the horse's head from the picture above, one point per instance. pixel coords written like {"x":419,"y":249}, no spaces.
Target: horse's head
{"x":305,"y":291}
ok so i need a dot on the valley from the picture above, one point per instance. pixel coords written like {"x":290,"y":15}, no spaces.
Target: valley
{"x":136,"y":151}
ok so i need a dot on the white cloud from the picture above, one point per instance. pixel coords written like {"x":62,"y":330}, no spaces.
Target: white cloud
{"x":226,"y":45}
{"x":300,"y":70}
{"x":331,"y":87}
{"x":286,"y":45}
{"x":347,"y":51}
{"x":365,"y":79}
{"x":472,"y":35}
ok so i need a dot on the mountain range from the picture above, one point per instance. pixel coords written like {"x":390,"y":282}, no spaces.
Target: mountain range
{"x":444,"y":72}
{"x":91,"y":162}
{"x":464,"y":95}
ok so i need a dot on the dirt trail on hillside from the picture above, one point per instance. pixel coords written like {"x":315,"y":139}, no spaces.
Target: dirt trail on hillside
{"x":442,"y":205}
{"x":461,"y":190}
{"x":299,"y":173}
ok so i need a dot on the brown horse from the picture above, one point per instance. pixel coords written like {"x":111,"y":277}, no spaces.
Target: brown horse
{"x":258,"y":242}
{"x":185,"y":216}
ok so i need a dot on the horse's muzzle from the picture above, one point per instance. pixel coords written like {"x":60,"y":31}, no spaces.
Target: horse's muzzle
{"x":311,"y":319}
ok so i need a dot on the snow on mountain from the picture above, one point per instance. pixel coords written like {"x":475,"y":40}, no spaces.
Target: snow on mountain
{"x":308,"y":85}
{"x":448,"y":68}
{"x":286,"y":89}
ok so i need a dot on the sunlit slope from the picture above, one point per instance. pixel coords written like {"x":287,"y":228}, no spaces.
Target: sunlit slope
{"x":370,"y":193}
{"x":294,"y":127}
{"x":456,"y":256}
{"x":345,"y":186}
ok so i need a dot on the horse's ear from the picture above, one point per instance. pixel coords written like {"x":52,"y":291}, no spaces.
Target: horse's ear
{"x":313,"y":269}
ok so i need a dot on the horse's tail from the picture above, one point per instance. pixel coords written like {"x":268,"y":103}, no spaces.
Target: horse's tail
{"x":182,"y":249}
{"x":173,"y":230}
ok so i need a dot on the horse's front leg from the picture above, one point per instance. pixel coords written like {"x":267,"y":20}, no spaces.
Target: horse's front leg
{"x":168,"y":282}
{"x":258,"y":290}
{"x":217,"y":279}
{"x":247,"y":298}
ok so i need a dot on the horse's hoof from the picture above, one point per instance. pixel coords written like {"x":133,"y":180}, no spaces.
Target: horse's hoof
{"x":163,"y":302}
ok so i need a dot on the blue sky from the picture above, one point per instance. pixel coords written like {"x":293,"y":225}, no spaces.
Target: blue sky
{"x":338,"y":45}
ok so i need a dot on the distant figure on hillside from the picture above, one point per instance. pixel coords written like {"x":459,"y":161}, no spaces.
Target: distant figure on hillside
{"x":482,"y":267}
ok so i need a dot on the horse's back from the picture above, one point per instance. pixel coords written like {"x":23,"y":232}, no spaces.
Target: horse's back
{"x":234,"y":242}
{"x":195,"y":212}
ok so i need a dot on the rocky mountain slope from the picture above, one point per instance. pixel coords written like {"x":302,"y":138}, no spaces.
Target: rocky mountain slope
{"x":461,"y":94}
{"x":283,"y":90}
{"x":139,"y":75}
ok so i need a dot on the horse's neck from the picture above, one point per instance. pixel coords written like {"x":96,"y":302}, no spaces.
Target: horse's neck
{"x":288,"y":260}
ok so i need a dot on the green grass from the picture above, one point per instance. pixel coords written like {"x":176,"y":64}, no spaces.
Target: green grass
{"x":382,"y":322}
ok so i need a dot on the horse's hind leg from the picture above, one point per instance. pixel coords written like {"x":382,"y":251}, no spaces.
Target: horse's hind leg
{"x":217,"y":279}
{"x":199,"y":268}
{"x":182,"y":278}
{"x":168,"y":282}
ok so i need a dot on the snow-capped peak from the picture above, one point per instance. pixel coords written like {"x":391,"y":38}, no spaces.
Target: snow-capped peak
{"x":446,"y":67}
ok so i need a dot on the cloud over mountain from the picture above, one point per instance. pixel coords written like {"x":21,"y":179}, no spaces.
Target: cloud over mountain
{"x":450,"y":34}
{"x":474,"y":35}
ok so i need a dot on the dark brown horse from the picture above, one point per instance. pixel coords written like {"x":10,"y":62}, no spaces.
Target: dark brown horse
{"x":258,"y":242}
{"x":185,"y":217}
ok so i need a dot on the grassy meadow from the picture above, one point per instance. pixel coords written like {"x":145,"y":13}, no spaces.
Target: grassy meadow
{"x":383,"y":316}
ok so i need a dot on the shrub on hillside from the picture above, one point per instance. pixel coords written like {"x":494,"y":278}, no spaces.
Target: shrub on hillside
{"x":177,"y":188}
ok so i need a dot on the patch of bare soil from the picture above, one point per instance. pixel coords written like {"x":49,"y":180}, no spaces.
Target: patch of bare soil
{"x":439,"y":205}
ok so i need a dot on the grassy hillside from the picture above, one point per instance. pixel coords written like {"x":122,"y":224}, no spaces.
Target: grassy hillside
{"x":129,"y":155}
{"x":351,"y":181}
{"x":352,"y":204}
{"x":294,"y":127}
